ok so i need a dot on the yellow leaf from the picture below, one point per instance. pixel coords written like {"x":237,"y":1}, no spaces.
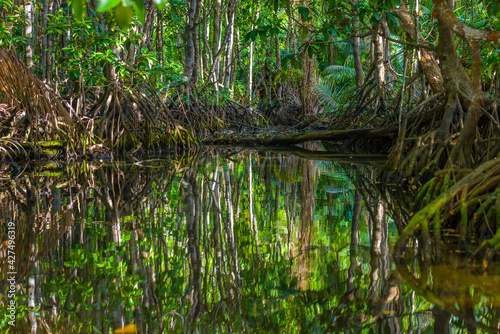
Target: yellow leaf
{"x":131,"y":328}
{"x":485,"y":263}
{"x":411,"y":214}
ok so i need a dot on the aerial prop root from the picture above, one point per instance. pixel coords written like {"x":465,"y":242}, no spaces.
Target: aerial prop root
{"x":475,"y":187}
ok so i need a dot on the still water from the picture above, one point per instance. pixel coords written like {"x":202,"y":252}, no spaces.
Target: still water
{"x":223,"y":242}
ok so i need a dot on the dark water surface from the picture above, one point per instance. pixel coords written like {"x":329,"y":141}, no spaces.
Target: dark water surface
{"x":254,"y":241}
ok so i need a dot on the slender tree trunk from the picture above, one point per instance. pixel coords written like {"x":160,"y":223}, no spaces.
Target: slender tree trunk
{"x":426,"y":60}
{"x":207,"y":54}
{"x":331,"y":52}
{"x":308,"y":69}
{"x":390,"y":74}
{"x":217,"y":36}
{"x":237,"y":60}
{"x":229,"y":50}
{"x":356,"y":47}
{"x":378,"y":62}
{"x":159,"y":37}
{"x":255,"y":17}
{"x":190,"y":62}
{"x":44,"y":49}
{"x":278,"y":52}
{"x":29,"y":12}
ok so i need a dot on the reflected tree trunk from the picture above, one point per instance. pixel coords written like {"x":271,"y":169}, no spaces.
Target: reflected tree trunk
{"x":193,"y":246}
{"x":441,"y":320}
{"x":305,"y":229}
{"x":253,"y":220}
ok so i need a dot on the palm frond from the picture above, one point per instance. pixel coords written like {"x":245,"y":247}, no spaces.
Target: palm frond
{"x":331,"y":96}
{"x":340,"y":75}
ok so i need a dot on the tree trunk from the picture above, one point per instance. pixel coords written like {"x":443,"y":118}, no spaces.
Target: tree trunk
{"x":331,"y":52}
{"x":207,"y":55}
{"x":278,"y":53}
{"x":190,"y":62}
{"x":378,"y":62}
{"x":427,"y":62}
{"x":217,"y":28}
{"x":28,"y":32}
{"x":356,"y":47}
{"x":255,"y":17}
{"x":44,"y":49}
{"x":229,"y":50}
{"x":308,"y":69}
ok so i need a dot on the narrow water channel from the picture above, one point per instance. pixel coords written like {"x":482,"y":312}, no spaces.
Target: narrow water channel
{"x":252,"y":241}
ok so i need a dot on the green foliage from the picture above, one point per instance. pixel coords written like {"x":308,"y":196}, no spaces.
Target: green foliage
{"x":281,"y":270}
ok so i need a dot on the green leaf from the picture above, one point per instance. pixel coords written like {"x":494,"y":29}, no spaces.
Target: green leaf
{"x":105,"y":5}
{"x":493,"y":8}
{"x":288,"y":7}
{"x":251,"y":35}
{"x":392,"y":22}
{"x":140,"y":11}
{"x":303,"y":33}
{"x":160,"y":4}
{"x":78,"y":7}
{"x":123,"y":16}
{"x":304,"y":12}
{"x":375,"y":19}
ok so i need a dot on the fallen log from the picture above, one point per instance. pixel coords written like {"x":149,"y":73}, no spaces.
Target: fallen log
{"x":388,"y":132}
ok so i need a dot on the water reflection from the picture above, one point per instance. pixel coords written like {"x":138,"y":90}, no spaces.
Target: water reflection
{"x":249,"y":242}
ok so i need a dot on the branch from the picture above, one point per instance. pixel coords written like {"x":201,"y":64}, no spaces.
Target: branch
{"x":446,"y":15}
{"x":416,"y":45}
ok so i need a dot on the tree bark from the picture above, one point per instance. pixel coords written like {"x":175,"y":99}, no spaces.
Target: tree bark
{"x":427,"y":62}
{"x":255,"y":17}
{"x":308,"y":69}
{"x":45,"y":12}
{"x":28,"y":32}
{"x":229,"y":50}
{"x":389,"y":132}
{"x":378,"y":61}
{"x":356,"y":46}
{"x":217,"y":36}
{"x":190,"y":62}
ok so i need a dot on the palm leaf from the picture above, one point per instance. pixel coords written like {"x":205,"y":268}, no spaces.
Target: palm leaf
{"x":331,"y":96}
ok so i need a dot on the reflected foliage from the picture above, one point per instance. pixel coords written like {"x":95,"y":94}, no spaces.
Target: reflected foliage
{"x":218,"y":243}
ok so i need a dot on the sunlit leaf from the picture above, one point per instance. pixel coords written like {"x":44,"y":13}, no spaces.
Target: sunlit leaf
{"x":105,"y":5}
{"x":160,"y":4}
{"x":131,"y":328}
{"x":123,"y":16}
{"x":78,"y":7}
{"x":140,"y":11}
